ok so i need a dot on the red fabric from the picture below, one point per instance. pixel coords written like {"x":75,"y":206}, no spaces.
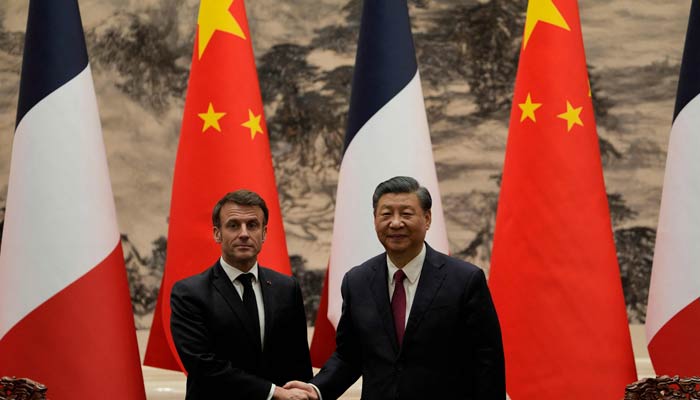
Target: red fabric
{"x":554,"y":272}
{"x":211,"y":163}
{"x":86,"y":354}
{"x":323,"y":341}
{"x":674,"y":349}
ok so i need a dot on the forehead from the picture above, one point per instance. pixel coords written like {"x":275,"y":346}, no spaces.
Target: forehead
{"x":399,"y":200}
{"x":235,"y":211}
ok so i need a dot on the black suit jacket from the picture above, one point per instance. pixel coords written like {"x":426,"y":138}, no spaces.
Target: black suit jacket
{"x":452,"y":345}
{"x":216,"y":341}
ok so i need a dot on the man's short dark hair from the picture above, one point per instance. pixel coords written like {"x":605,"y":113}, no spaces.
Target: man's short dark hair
{"x":402,"y":184}
{"x":241,"y":197}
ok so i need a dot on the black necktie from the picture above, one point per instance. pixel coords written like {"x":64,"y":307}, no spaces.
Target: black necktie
{"x":249,"y":302}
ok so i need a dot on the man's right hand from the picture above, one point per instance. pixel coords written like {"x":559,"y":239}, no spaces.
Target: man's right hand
{"x":290,"y":394}
{"x":307,"y":388}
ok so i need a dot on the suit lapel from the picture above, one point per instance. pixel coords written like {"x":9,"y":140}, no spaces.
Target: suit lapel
{"x":380,"y":291}
{"x":431,"y":278}
{"x":225,"y":287}
{"x":269,"y":303}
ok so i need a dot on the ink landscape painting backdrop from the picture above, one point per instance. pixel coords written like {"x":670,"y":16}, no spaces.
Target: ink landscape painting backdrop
{"x":467,"y":51}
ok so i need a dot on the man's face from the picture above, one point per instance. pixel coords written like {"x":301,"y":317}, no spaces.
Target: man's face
{"x":401,"y":224}
{"x":241,"y":234}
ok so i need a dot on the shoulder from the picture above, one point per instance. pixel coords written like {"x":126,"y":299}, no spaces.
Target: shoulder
{"x":368,"y":267}
{"x":193,"y":292}
{"x":273,"y":277}
{"x":195,"y":282}
{"x":452,"y":266}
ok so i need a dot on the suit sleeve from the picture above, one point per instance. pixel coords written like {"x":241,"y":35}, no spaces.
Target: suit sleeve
{"x":343,"y":368}
{"x":194,"y":345}
{"x":299,"y":345}
{"x":482,"y":322}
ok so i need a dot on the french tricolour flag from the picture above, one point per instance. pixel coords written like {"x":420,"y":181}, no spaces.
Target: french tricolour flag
{"x":673,"y":313}
{"x":387,"y":135}
{"x":65,"y":313}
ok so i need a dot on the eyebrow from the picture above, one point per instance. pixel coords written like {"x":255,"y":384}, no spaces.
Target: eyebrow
{"x":242,"y":219}
{"x":400,"y":207}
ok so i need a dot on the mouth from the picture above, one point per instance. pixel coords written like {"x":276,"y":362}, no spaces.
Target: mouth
{"x":396,"y":237}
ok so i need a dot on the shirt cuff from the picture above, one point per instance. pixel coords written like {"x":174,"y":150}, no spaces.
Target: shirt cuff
{"x":272,"y":392}
{"x":318,"y":392}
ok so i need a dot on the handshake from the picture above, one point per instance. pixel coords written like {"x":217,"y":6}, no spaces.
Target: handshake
{"x":296,"y":390}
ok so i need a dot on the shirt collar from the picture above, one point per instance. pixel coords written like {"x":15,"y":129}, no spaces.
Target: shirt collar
{"x":412,"y":269}
{"x":233,"y":272}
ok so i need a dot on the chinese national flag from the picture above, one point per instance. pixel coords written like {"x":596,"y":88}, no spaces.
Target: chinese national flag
{"x":224,"y":146}
{"x":554,"y":272}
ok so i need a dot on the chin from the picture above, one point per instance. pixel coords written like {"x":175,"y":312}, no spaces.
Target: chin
{"x":396,"y":249}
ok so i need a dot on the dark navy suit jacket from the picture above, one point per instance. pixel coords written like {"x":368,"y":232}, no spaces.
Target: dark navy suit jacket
{"x":216,"y":340}
{"x":452,"y":346}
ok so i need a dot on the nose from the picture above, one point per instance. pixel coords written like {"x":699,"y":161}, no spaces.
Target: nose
{"x":244,"y":231}
{"x":395,"y":221}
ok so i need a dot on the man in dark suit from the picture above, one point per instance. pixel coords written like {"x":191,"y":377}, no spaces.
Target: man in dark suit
{"x":240,"y":328}
{"x":416,"y":323}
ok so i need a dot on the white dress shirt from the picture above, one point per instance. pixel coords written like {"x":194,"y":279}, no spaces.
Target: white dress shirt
{"x":412,"y":270}
{"x":233,"y":273}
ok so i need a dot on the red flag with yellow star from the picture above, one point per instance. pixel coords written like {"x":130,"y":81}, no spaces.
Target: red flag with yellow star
{"x":554,"y":273}
{"x":224,"y":146}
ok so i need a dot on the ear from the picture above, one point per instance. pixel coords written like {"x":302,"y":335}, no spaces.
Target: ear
{"x":428,"y":219}
{"x":217,"y":234}
{"x":264,"y":232}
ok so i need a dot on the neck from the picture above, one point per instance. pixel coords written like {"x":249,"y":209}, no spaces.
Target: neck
{"x":401,"y":259}
{"x":243,"y":266}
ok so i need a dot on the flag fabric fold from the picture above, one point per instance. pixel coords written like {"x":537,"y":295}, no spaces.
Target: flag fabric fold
{"x":673,"y":310}
{"x":224,"y":146}
{"x":65,"y":311}
{"x":387,"y":135}
{"x":554,"y":272}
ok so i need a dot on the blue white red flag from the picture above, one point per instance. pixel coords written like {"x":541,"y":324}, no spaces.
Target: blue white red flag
{"x":673,"y":311}
{"x":65,"y":312}
{"x":387,"y":135}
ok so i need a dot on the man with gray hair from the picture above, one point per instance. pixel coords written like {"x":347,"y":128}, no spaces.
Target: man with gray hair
{"x":416,"y":323}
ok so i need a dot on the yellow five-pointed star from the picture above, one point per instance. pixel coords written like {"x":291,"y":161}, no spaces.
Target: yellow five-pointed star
{"x":572,"y":116}
{"x":253,"y":123}
{"x":215,"y":16}
{"x":544,"y":11}
{"x":528,"y":109}
{"x":211,"y":118}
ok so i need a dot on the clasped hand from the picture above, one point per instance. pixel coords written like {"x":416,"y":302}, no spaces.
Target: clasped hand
{"x":295,"y":390}
{"x":301,"y":388}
